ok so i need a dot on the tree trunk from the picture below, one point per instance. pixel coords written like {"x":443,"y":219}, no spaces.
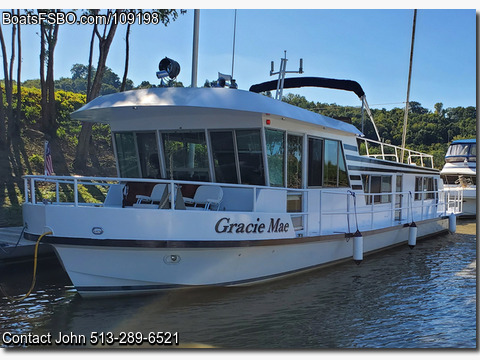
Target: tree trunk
{"x":7,"y":79}
{"x":3,"y":138}
{"x":80,"y":162}
{"x":11,"y":120}
{"x":19,"y":83}
{"x":3,"y":122}
{"x":43,"y":100}
{"x":50,"y":82}
{"x":89,"y":75}
{"x":127,"y":51}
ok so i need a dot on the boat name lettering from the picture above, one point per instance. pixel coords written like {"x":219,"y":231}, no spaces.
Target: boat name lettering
{"x":225,"y":226}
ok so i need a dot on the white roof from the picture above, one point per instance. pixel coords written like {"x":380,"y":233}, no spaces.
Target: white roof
{"x":109,"y":108}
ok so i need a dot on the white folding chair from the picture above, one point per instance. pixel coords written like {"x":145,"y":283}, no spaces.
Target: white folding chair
{"x":205,"y":197}
{"x":159,"y":195}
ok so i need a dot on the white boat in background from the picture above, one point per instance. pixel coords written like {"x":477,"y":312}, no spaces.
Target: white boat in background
{"x":226,"y":187}
{"x":460,"y":172}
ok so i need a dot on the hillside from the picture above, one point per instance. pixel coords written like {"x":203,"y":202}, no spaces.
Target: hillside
{"x":428,"y":132}
{"x":25,"y":153}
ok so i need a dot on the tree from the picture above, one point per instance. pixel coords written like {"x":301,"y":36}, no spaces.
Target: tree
{"x":79,"y":71}
{"x":145,"y":85}
{"x":48,"y":37}
{"x":438,"y":108}
{"x":105,"y":41}
{"x":16,"y":126}
{"x":8,"y":123}
{"x":11,"y":120}
{"x":3,"y":119}
{"x":127,"y":55}
{"x":165,"y":15}
{"x":416,"y":108}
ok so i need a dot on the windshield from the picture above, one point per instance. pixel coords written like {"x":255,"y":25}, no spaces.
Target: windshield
{"x":461,"y":152}
{"x":458,"y":150}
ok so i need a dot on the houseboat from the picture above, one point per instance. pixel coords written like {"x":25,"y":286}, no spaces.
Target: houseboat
{"x":227,"y":187}
{"x":460,"y":172}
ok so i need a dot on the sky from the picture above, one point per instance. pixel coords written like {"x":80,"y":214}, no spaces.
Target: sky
{"x":369,"y":46}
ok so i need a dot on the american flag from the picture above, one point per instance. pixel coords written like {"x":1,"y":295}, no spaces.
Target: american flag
{"x":48,"y":160}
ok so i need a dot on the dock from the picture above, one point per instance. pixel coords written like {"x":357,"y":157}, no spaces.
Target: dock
{"x":10,"y":251}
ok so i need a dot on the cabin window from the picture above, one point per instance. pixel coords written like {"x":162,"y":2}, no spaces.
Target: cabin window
{"x":427,"y":185}
{"x":127,"y":155}
{"x":398,"y":197}
{"x":186,"y":156}
{"x":275,"y":145}
{"x":377,"y":184}
{"x":237,"y":156}
{"x":148,"y":155}
{"x":418,"y":187}
{"x":330,"y":166}
{"x":223,"y":153}
{"x":335,"y":173}
{"x":343,"y":180}
{"x":386,"y":187}
{"x":250,"y":160}
{"x":315,"y":161}
{"x":326,"y":163}
{"x":294,"y":161}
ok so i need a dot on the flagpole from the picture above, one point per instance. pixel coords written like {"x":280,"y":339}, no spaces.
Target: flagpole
{"x":45,"y":157}
{"x":47,"y":160}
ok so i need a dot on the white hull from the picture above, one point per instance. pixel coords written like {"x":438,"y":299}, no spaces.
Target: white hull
{"x":106,"y":271}
{"x":469,"y":207}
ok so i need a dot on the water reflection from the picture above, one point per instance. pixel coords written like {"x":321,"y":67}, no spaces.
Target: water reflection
{"x":397,"y":299}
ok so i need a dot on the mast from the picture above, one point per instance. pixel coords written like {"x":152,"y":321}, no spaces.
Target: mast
{"x":196,"y":22}
{"x":405,"y":117}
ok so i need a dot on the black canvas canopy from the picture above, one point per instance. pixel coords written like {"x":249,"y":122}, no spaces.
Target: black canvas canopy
{"x":289,"y":83}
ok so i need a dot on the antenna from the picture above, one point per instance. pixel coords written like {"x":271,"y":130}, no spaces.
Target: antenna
{"x":405,"y":118}
{"x":234,"y":32}
{"x":281,"y":74}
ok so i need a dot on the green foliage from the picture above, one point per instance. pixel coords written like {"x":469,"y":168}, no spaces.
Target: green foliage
{"x":36,"y":162}
{"x":78,"y":82}
{"x":30,"y":108}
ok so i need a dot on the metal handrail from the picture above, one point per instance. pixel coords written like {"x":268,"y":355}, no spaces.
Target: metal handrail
{"x":411,"y":153}
{"x":29,"y":181}
{"x":447,"y":200}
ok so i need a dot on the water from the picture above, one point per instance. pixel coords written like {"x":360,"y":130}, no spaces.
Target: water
{"x":401,"y":298}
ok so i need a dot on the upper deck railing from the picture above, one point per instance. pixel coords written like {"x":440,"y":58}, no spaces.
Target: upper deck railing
{"x":380,"y":150}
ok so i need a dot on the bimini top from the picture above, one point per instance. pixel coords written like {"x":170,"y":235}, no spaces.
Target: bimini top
{"x":348,"y":85}
{"x":110,"y":108}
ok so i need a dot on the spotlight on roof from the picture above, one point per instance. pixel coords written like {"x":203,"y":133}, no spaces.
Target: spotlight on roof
{"x":168,"y":68}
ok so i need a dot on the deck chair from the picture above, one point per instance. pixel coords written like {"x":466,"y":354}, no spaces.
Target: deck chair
{"x":205,"y":197}
{"x":158,"y":197}
{"x":114,"y":196}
